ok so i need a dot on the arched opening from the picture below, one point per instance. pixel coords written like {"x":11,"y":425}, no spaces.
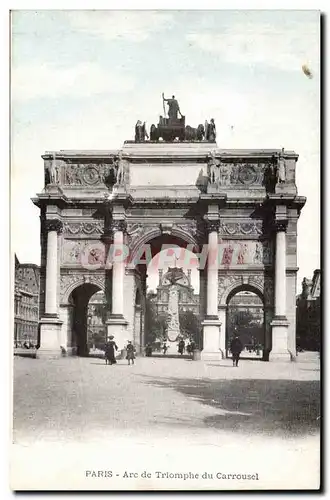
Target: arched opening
{"x":172,"y":296}
{"x":97,"y":313}
{"x":246,"y":319}
{"x":84,"y":317}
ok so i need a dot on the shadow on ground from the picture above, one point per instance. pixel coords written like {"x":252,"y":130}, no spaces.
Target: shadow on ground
{"x":254,"y":406}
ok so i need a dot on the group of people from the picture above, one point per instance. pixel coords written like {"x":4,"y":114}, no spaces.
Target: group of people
{"x":111,"y":348}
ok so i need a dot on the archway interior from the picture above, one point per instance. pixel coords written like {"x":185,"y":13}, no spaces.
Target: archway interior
{"x":80,"y":298}
{"x":177,"y":256}
{"x":245,"y":318}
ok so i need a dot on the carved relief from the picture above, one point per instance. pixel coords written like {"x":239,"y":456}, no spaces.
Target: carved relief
{"x":83,"y":252}
{"x":223,"y":173}
{"x":86,"y":174}
{"x":231,"y":228}
{"x":134,"y":232}
{"x":67,"y":282}
{"x":233,"y":252}
{"x":83,"y":227}
{"x":225,"y":282}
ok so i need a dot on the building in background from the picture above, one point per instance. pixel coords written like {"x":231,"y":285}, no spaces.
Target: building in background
{"x":188,"y":299}
{"x":309,"y":313}
{"x":26,"y":303}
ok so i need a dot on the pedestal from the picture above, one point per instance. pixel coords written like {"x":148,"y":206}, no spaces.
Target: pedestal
{"x":211,"y":340}
{"x":50,"y":338}
{"x":117,"y":326}
{"x":280,"y":350}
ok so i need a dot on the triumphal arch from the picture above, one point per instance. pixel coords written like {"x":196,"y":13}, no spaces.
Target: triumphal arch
{"x":105,"y":214}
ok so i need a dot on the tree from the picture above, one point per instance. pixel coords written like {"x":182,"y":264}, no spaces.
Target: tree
{"x":155,"y":325}
{"x":190,"y":326}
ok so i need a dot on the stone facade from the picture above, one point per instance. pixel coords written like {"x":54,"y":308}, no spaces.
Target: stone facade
{"x":26,"y":303}
{"x":147,"y":195}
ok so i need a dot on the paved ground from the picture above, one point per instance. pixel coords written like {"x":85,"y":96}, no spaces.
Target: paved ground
{"x":161,"y":401}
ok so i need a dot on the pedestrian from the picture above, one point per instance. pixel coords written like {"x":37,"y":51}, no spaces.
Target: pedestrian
{"x":130,"y":352}
{"x":148,"y":351}
{"x":110,"y":350}
{"x":181,"y":346}
{"x":165,"y":349}
{"x":236,"y":348}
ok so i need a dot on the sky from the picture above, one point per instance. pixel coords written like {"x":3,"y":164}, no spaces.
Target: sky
{"x":81,"y":79}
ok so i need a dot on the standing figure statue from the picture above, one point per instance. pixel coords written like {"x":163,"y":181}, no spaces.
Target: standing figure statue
{"x":173,"y":107}
{"x":281,"y":171}
{"x":213,"y":169}
{"x":210,"y":131}
{"x":53,"y":171}
{"x":140,"y":131}
{"x":122,"y":170}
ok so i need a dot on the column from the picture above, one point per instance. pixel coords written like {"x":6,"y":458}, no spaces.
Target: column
{"x":118,"y":271}
{"x":212,"y":273}
{"x":280,"y":323}
{"x":211,"y":324}
{"x":53,"y":228}
{"x":117,"y":325}
{"x":50,"y":324}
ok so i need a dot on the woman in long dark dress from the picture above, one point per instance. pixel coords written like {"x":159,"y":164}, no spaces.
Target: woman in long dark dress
{"x":110,"y":350}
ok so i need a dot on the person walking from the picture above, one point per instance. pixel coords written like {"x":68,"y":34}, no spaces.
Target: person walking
{"x":181,"y":346}
{"x":130,"y":352}
{"x":148,"y":351}
{"x":236,"y":348}
{"x":165,"y":348}
{"x":110,"y":350}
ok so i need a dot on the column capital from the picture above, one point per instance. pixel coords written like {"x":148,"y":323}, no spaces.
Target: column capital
{"x":54,"y":225}
{"x":118,"y":225}
{"x":280,"y":225}
{"x":212,"y":225}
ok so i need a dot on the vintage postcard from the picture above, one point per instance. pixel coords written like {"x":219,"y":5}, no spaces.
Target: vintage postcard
{"x":165,"y":218}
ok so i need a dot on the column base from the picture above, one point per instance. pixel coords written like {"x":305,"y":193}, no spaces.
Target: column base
{"x":117,"y":326}
{"x":50,"y":335}
{"x":280,"y":350}
{"x":211,"y":339}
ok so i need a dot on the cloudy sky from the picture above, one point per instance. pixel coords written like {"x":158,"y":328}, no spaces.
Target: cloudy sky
{"x":81,"y":79}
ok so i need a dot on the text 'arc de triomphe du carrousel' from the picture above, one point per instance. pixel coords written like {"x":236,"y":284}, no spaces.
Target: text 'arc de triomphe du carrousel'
{"x":105,"y":214}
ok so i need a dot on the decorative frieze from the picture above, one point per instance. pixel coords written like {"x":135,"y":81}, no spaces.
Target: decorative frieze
{"x":239,"y":228}
{"x":82,"y":174}
{"x":85,"y":228}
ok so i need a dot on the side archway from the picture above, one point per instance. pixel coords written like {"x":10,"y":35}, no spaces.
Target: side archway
{"x":245,"y":318}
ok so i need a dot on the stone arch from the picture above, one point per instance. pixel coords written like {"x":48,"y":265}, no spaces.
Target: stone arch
{"x":74,"y":281}
{"x":229,"y":285}
{"x":249,"y":287}
{"x":152,"y":234}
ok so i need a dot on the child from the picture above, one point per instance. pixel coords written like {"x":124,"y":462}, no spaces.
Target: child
{"x":130,"y":352}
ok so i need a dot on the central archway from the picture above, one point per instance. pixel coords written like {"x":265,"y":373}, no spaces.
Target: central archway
{"x":156,"y":257}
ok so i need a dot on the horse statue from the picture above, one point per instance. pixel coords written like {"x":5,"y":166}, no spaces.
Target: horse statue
{"x":194,"y":134}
